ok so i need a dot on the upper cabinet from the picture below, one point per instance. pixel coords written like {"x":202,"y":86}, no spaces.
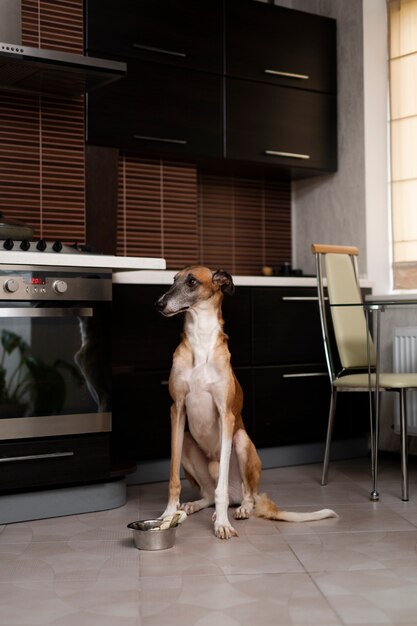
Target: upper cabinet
{"x":187,"y":33}
{"x":278,"y":126}
{"x":276,"y":45}
{"x":241,"y":81}
{"x":159,"y":109}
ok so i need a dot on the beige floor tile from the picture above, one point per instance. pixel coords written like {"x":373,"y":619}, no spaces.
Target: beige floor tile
{"x":370,"y":597}
{"x":278,"y":599}
{"x":360,"y":568}
{"x":355,"y":551}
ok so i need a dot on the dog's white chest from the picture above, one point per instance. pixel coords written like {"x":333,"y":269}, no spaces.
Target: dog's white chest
{"x":202,"y":380}
{"x":202,"y":413}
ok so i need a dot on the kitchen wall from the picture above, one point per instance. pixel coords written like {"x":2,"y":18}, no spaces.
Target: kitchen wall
{"x":330,"y":208}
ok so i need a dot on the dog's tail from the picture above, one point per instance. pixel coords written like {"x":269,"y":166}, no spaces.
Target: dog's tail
{"x":265,"y":507}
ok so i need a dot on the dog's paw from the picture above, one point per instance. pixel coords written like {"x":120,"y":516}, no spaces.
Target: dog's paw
{"x":242,"y":513}
{"x":225,"y":531}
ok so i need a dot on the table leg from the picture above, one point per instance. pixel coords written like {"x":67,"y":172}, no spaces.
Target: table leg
{"x":374,"y":496}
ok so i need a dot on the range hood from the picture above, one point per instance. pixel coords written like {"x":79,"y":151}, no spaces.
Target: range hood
{"x":49,"y":72}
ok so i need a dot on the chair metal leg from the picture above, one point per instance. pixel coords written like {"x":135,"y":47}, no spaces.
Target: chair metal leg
{"x":330,"y":423}
{"x":404,"y":444}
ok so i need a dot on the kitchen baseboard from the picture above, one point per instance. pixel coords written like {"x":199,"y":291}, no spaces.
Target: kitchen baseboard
{"x":279,"y":456}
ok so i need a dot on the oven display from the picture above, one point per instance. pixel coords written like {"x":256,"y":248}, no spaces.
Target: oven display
{"x":36,"y":280}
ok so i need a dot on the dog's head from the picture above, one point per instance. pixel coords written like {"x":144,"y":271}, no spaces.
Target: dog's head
{"x":192,"y":285}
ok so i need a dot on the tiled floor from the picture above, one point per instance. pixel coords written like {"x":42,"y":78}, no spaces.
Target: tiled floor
{"x":359,"y":569}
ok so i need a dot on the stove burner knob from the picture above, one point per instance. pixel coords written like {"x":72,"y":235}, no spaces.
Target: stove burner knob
{"x":60,"y":286}
{"x":25,"y":245}
{"x":8,"y":244}
{"x":41,"y":245}
{"x":11,"y":285}
{"x":57,"y":246}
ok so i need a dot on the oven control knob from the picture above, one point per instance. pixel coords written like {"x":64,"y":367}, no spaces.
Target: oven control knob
{"x":25,"y":245}
{"x":60,"y":286}
{"x":11,"y":285}
{"x":8,"y":244}
{"x":41,"y":245}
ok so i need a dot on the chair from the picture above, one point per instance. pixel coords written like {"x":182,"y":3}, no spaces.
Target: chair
{"x":356,"y":351}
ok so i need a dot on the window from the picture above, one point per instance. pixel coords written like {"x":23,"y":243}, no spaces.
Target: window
{"x":403,"y":114}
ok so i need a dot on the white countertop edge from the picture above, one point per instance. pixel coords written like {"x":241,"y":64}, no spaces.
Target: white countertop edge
{"x":166,"y":277}
{"x":98,"y":261}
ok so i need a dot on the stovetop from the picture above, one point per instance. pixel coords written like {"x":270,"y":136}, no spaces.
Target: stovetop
{"x":44,"y":246}
{"x":54,"y":253}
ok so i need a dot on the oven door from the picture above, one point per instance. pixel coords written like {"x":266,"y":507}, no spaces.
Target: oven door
{"x":55,"y":369}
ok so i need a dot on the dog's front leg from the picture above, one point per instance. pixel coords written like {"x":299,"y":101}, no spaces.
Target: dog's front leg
{"x":177,"y":439}
{"x":222,"y":527}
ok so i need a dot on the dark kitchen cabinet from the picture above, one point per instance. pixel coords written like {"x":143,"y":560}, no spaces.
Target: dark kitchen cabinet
{"x":281,"y":46}
{"x":286,"y":326}
{"x":159,"y":108}
{"x":290,"y":405}
{"x":52,"y":461}
{"x":280,"y":126}
{"x":277,"y":355}
{"x":141,"y":415}
{"x":145,"y":340}
{"x":227,"y":82}
{"x":178,"y":32}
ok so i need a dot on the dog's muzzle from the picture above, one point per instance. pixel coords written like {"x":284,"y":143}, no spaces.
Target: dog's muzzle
{"x":168,"y":307}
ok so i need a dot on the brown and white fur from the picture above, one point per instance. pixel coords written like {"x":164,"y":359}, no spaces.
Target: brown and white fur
{"x":217,"y":453}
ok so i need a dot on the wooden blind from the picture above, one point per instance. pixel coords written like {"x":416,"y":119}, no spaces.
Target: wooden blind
{"x":157,"y":210}
{"x":171,"y":210}
{"x":245,"y":224}
{"x":53,"y":24}
{"x":42,"y":160}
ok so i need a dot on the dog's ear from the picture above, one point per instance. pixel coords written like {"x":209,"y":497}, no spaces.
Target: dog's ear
{"x":225,"y":281}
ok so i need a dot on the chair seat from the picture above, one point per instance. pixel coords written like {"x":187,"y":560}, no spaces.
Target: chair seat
{"x":386,"y":381}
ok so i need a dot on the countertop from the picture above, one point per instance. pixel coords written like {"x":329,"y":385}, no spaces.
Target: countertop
{"x":105,"y":261}
{"x":166,"y":277}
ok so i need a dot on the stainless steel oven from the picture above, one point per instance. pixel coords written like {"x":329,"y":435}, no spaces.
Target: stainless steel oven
{"x":55,"y":363}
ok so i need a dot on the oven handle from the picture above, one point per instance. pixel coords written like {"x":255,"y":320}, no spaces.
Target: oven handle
{"x":46,"y":312}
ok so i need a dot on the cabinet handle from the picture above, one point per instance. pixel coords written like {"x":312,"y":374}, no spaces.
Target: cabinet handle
{"x":46,"y":312}
{"x":305,"y":375}
{"x":301,"y":298}
{"x":160,"y":139}
{"x":291,"y":155}
{"x":287,"y":74}
{"x":159,"y":50}
{"x":32,"y":457}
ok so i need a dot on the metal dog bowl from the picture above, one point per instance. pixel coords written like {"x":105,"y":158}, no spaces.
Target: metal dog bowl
{"x":148,"y":535}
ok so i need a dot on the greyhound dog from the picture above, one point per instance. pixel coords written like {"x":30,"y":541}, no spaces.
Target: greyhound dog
{"x":216,"y":452}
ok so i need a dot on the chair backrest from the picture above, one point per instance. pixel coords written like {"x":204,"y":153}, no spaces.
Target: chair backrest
{"x":339,"y":266}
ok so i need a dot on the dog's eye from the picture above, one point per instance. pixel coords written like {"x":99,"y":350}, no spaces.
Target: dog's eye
{"x":191,"y":281}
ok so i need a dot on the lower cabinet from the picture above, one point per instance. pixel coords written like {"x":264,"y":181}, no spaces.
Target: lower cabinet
{"x":290,"y":405}
{"x":141,"y":415}
{"x":38,"y":463}
{"x":277,"y":356}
